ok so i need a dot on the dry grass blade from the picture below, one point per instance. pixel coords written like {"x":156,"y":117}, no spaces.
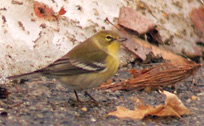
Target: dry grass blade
{"x":161,"y":75}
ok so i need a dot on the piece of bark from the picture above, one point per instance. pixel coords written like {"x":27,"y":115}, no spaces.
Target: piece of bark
{"x":135,"y":21}
{"x":197,"y":17}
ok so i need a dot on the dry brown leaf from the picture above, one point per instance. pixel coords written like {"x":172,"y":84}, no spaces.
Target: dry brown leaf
{"x":43,"y":11}
{"x":138,"y":113}
{"x":124,"y":113}
{"x":173,"y":107}
{"x":62,"y":11}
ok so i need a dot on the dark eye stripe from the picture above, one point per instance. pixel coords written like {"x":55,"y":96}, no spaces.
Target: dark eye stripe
{"x":109,"y":37}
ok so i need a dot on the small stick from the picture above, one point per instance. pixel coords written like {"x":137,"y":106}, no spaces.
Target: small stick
{"x":117,"y":27}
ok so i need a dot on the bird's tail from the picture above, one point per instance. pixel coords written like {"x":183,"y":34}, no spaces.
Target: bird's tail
{"x":23,"y":76}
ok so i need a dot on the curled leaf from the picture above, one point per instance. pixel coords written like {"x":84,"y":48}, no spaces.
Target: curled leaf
{"x":172,"y":107}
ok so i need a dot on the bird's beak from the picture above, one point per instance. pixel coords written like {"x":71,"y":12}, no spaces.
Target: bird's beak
{"x":121,"y":39}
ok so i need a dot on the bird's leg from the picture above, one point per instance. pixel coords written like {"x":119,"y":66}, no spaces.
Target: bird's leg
{"x":77,"y":96}
{"x":86,"y":93}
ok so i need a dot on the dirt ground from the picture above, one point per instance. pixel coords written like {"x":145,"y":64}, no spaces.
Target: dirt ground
{"x":48,"y":103}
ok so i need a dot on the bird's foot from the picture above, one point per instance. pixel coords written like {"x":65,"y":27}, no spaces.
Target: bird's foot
{"x":87,"y":94}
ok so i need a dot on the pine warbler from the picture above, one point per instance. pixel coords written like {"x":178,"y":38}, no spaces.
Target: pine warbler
{"x":87,"y":65}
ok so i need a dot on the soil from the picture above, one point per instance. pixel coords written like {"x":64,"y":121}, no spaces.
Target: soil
{"x":46,"y":102}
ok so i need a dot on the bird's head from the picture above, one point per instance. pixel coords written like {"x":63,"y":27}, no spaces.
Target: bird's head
{"x":110,"y":40}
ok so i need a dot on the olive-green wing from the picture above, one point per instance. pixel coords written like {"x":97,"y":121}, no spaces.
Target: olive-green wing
{"x":73,"y":65}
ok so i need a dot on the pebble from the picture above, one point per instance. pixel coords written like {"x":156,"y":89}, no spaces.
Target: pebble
{"x":193,"y":98}
{"x":93,"y":119}
{"x":84,"y":109}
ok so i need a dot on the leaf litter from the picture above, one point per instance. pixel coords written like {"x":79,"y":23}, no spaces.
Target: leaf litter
{"x":175,"y":68}
{"x":172,"y":107}
{"x":43,"y":11}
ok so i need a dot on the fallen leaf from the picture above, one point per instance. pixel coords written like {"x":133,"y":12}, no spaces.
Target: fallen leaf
{"x":62,"y":11}
{"x":138,"y":113}
{"x":124,"y":113}
{"x":43,"y":11}
{"x":173,"y":107}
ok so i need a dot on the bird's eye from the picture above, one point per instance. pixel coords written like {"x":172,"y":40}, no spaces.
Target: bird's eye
{"x":109,"y":38}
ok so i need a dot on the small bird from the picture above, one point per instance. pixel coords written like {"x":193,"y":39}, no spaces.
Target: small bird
{"x":87,"y":65}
